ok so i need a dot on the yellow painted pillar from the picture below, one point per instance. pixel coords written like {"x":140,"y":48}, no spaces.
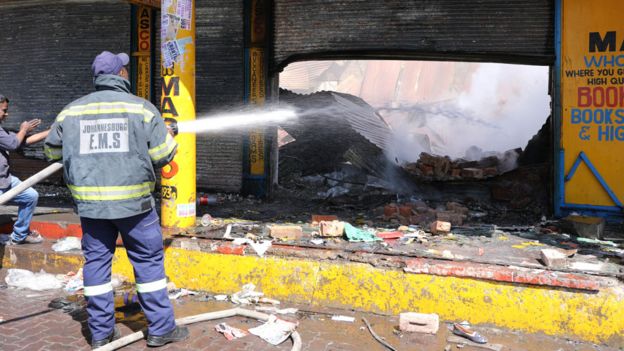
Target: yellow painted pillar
{"x":178,"y":105}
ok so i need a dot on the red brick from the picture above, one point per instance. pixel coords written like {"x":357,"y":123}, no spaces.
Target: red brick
{"x":405,"y":210}
{"x":391,"y":211}
{"x":228,"y":249}
{"x":419,"y":322}
{"x":321,"y":218}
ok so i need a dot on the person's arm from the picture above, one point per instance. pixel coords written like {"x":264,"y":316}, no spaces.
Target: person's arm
{"x":162,"y":147}
{"x":53,"y":147}
{"x":35,"y":138}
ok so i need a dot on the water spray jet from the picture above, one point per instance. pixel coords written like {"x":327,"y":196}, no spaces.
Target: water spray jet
{"x":235,"y":120}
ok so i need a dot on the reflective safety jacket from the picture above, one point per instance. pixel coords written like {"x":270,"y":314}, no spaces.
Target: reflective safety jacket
{"x":110,"y":142}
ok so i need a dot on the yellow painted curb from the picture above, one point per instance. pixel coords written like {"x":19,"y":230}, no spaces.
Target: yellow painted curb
{"x":595,"y":317}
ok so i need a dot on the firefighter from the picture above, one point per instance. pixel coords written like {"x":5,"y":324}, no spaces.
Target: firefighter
{"x":110,"y":142}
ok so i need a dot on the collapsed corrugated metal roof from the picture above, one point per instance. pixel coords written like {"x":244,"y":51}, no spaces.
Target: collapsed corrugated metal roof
{"x":334,"y":128}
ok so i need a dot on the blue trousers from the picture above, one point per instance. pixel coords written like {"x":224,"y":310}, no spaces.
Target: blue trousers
{"x":142,"y":238}
{"x":26,"y":202}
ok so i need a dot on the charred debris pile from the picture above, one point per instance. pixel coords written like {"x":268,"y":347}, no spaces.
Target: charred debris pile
{"x":339,"y":154}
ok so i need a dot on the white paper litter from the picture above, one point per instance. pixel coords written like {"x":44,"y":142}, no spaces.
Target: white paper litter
{"x":220,"y":297}
{"x":22,"y":278}
{"x":275,"y":331}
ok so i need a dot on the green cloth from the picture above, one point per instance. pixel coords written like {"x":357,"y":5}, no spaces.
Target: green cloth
{"x":356,"y":234}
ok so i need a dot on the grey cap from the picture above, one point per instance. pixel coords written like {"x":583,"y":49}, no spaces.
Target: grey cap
{"x":109,"y":63}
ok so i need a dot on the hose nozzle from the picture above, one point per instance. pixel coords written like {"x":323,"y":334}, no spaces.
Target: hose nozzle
{"x":172,"y":125}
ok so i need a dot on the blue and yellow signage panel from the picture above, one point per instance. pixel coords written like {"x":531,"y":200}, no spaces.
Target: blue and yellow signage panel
{"x":592,"y":103}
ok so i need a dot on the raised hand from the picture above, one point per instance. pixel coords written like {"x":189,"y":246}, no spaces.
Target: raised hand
{"x":28,"y":126}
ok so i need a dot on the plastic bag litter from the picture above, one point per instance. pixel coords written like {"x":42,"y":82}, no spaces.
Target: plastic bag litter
{"x":21,"y":278}
{"x":67,"y":244}
{"x":275,"y":330}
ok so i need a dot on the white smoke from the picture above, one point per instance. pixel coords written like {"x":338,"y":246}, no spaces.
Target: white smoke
{"x":495,"y":107}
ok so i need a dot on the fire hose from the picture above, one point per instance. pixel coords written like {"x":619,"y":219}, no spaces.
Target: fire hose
{"x":126,"y":340}
{"x":41,"y":175}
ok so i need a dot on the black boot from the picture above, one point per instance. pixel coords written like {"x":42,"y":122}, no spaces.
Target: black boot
{"x":177,"y":334}
{"x":114,"y":335}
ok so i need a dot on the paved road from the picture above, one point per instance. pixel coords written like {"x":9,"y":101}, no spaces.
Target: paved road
{"x":29,"y":323}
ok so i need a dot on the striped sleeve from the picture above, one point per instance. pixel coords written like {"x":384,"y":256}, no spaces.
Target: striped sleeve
{"x":161,"y":145}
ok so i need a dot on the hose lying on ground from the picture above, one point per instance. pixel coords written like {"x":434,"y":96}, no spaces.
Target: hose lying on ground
{"x":126,"y":340}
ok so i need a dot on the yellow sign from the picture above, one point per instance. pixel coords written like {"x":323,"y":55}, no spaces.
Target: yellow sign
{"x":143,"y":54}
{"x":178,"y":105}
{"x":592,"y":105}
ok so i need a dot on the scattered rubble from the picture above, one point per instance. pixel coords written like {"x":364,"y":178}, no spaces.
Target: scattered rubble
{"x":441,"y":168}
